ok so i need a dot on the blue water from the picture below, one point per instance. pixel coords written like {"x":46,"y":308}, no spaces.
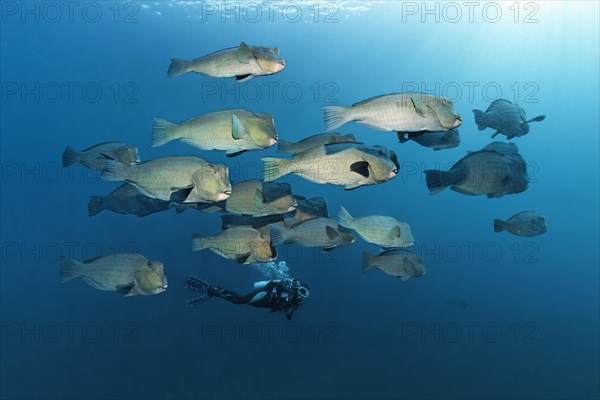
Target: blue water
{"x":496,"y":315}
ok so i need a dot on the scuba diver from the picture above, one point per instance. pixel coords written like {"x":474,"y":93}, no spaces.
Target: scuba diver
{"x":279,"y":295}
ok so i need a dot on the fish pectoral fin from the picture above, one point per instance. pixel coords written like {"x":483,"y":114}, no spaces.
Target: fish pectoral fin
{"x":461,"y":191}
{"x":328,"y":249}
{"x":419,"y":107}
{"x":234,"y":152}
{"x":495,"y":134}
{"x":395,"y":232}
{"x":244,"y":54}
{"x":106,"y":156}
{"x":238,"y":129}
{"x":361,"y":168}
{"x":258,"y":199}
{"x":125,"y":289}
{"x":243,"y":78}
{"x":242,"y":259}
{"x":179,"y":195}
{"x":495,"y":195}
{"x":331,"y":232}
{"x":404,"y":278}
{"x":219,"y":252}
{"x":93,"y":283}
{"x":352,"y":186}
{"x":539,"y":118}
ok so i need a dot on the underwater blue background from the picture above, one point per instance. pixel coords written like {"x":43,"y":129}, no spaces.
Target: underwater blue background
{"x":531,"y":304}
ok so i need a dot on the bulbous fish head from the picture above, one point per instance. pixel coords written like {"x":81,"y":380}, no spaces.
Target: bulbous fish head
{"x":262,"y":251}
{"x":127,"y":154}
{"x":538,"y":225}
{"x":381,"y":167}
{"x":347,"y":237}
{"x":212,"y":183}
{"x":523,"y":129}
{"x":454,"y":138}
{"x":406,"y":238}
{"x":268,"y":59}
{"x":261,"y":128}
{"x":445,"y":112}
{"x":151,"y":280}
{"x":284,"y":204}
{"x":517,"y":179}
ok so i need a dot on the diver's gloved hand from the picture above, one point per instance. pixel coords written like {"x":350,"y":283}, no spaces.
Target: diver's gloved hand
{"x":215,"y":290}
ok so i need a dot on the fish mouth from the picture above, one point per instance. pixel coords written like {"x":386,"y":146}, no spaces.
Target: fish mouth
{"x":224,"y":195}
{"x":227,"y":192}
{"x":392,"y":174}
{"x":272,"y":141}
{"x":457,"y":122}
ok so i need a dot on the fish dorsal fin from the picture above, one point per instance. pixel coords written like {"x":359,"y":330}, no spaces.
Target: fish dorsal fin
{"x":238,"y":130}
{"x":258,"y":199}
{"x":244,"y":54}
{"x":92,"y":260}
{"x":361,"y":168}
{"x":360,"y":103}
{"x":395,"y":232}
{"x":496,"y":103}
{"x":331,"y":232}
{"x":100,"y":144}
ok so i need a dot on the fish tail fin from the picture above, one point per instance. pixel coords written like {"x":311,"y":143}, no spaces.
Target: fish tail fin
{"x":499,"y":225}
{"x":273,"y":168}
{"x":197,"y":285}
{"x":344,"y":218}
{"x":115,"y":171}
{"x":199,"y":242}
{"x":178,"y":66}
{"x":481,"y":119}
{"x":95,"y":205}
{"x":284,"y":146}
{"x":279,"y":234}
{"x":335,"y":116}
{"x":438,"y":180}
{"x":164,"y":131}
{"x":70,"y":157}
{"x":68,"y":269}
{"x":365,"y":261}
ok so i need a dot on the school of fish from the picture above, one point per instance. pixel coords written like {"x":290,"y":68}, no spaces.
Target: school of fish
{"x":258,"y":215}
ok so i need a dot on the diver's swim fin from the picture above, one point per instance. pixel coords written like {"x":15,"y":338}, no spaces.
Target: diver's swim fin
{"x":198,"y":300}
{"x":197,"y":285}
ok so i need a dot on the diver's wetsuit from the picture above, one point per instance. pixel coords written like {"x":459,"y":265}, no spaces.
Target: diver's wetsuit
{"x":277,"y":295}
